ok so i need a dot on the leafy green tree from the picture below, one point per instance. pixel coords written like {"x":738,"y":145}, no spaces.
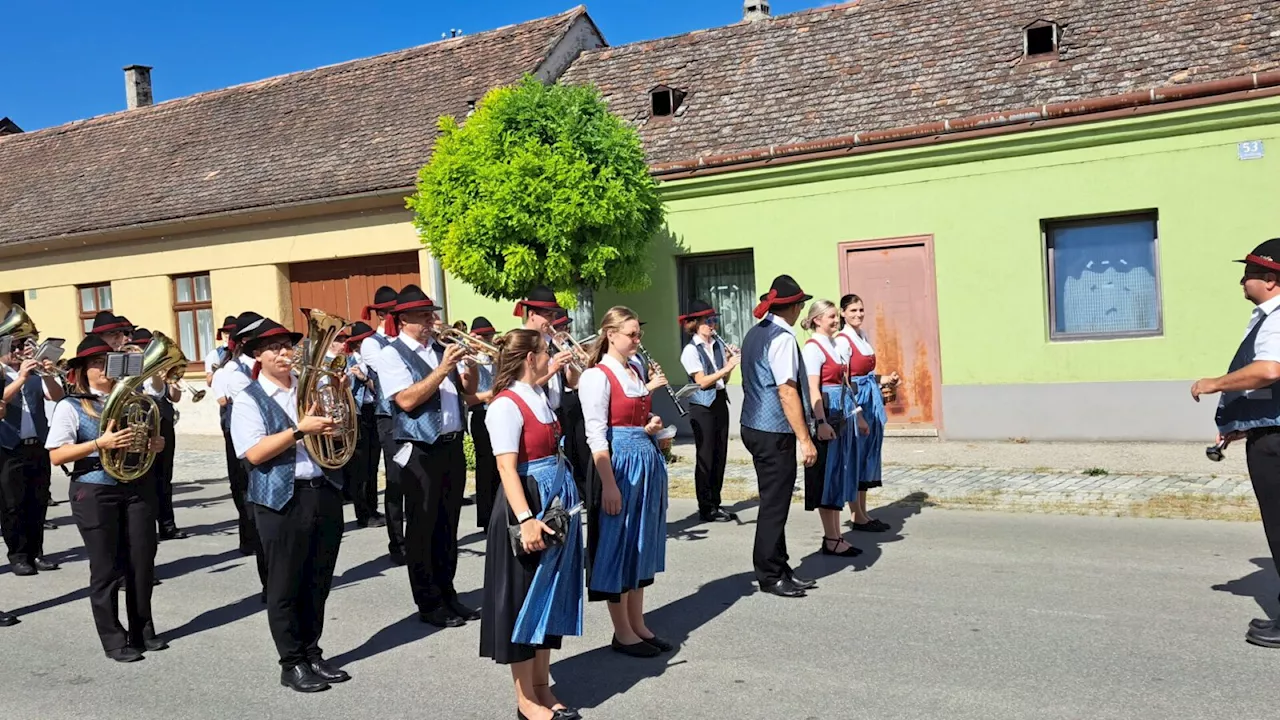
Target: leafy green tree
{"x":541,"y":185}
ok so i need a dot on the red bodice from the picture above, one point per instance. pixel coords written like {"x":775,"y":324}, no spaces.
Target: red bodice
{"x":833,"y":371}
{"x":537,"y":439}
{"x":625,"y":411}
{"x":859,"y":364}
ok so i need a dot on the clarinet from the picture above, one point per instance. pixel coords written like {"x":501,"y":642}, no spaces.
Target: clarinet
{"x":654,"y":368}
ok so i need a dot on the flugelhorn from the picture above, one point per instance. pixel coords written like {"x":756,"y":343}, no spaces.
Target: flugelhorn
{"x":473,"y":347}
{"x":581,"y":356}
{"x":127,"y":408}
{"x":322,"y":382}
{"x":655,"y":369}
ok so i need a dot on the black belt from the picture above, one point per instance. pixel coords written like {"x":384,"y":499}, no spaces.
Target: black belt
{"x":315,"y":482}
{"x":29,"y":441}
{"x":440,"y":439}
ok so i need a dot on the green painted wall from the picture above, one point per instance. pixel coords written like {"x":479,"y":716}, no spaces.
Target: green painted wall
{"x":983,"y":202}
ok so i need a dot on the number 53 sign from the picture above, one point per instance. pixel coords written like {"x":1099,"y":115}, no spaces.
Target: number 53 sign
{"x":1251,"y":150}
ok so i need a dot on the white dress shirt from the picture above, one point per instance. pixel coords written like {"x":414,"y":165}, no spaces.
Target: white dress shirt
{"x":784,"y":356}
{"x":593,"y":391}
{"x":356,"y":360}
{"x":228,"y":381}
{"x":248,"y":427}
{"x":28,"y":424}
{"x":814,"y":358}
{"x":1266,"y":346}
{"x":212,"y":358}
{"x":64,"y":425}
{"x":394,"y":376}
{"x":692,"y":362}
{"x":505,"y":422}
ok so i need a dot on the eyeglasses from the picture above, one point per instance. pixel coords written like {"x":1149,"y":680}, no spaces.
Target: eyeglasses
{"x":634,"y":336}
{"x":278,"y":347}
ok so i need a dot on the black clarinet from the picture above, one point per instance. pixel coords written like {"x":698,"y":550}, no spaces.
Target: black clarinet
{"x":654,"y":368}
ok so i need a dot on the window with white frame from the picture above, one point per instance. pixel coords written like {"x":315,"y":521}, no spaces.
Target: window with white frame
{"x":1104,"y":279}
{"x":93,"y":300}
{"x":193,"y":310}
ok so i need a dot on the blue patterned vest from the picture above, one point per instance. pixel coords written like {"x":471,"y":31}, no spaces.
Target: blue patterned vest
{"x":1260,"y":408}
{"x":761,"y":406}
{"x":271,"y":483}
{"x":11,"y":427}
{"x":422,"y":424}
{"x":707,"y":396}
{"x":383,"y":403}
{"x":88,"y":470}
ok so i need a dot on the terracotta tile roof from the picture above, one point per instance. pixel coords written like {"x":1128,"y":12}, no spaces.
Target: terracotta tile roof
{"x":882,"y":64}
{"x":356,"y":127}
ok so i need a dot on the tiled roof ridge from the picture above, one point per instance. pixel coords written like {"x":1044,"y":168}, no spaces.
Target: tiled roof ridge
{"x":390,"y":57}
{"x":739,"y":26}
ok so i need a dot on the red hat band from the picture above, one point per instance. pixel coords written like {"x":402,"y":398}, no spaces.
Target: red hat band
{"x":772,"y":299}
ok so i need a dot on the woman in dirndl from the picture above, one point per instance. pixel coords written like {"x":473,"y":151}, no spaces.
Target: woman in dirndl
{"x":830,"y":482}
{"x":869,"y":396}
{"x":532,"y":598}
{"x":627,"y":537}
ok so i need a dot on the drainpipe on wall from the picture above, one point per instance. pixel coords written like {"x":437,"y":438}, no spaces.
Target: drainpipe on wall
{"x":437,"y":287}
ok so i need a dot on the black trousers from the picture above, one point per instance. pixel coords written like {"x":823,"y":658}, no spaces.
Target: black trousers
{"x":301,"y":544}
{"x":393,"y":498}
{"x":118,"y":526}
{"x":24,"y":500}
{"x":487,"y":481}
{"x":1262,"y":453}
{"x":163,"y":472}
{"x":433,"y":481}
{"x":774,"y":456}
{"x":576,"y":451}
{"x":362,"y":471}
{"x":238,"y":479}
{"x":711,"y":438}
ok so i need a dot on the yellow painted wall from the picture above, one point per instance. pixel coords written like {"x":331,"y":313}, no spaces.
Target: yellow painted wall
{"x":56,"y":312}
{"x":146,"y":301}
{"x":261,"y":288}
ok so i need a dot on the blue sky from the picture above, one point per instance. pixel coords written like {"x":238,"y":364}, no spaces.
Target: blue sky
{"x":63,"y":59}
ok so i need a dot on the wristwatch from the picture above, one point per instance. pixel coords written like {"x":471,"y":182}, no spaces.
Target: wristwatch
{"x":522,"y":517}
{"x":298,"y":435}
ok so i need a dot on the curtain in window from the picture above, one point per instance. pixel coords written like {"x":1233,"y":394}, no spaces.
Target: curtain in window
{"x":728,"y":282}
{"x":1105,"y":278}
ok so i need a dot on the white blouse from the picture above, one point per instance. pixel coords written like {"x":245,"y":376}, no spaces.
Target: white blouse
{"x":691,"y":360}
{"x":505,"y":423}
{"x":593,"y":392}
{"x":858,"y":340}
{"x":64,"y":424}
{"x":814,"y":357}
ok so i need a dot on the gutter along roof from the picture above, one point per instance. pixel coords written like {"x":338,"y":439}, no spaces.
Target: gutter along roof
{"x":878,"y":71}
{"x":340,"y":131}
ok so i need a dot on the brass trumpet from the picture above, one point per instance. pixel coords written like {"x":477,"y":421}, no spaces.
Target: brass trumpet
{"x":581,"y":356}
{"x":472,"y":346}
{"x":183,"y":386}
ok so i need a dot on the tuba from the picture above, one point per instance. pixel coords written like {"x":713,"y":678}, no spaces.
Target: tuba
{"x":18,"y":324}
{"x":322,"y":382}
{"x":128,"y":407}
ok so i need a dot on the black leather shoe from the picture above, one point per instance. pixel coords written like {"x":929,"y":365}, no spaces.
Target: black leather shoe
{"x":396,"y":559}
{"x":246,"y":551}
{"x":22,"y":568}
{"x":327,"y":672}
{"x":801,"y":582}
{"x":173,"y":534}
{"x":126,"y":655}
{"x":461,"y":610}
{"x":560,"y":714}
{"x":783,"y":588}
{"x":8,"y":619}
{"x":468,"y":501}
{"x":1261,"y":624}
{"x":717,"y":515}
{"x":50,"y":525}
{"x":1264,"y":637}
{"x":44,"y":565}
{"x":873,"y":526}
{"x":155,"y":644}
{"x":300,"y":678}
{"x":829,"y":546}
{"x":441,"y":617}
{"x":659,"y":643}
{"x":641,"y":649}
{"x":374,"y":522}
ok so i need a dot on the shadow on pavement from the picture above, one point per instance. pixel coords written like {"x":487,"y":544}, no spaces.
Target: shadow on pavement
{"x":591,"y":678}
{"x":402,"y":632}
{"x":1261,"y":585}
{"x":816,"y":565}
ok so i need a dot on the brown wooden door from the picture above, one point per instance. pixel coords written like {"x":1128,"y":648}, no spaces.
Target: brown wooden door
{"x":895,"y":280}
{"x":344,"y":286}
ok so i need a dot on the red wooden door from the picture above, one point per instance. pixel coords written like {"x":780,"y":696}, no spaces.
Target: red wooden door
{"x":895,"y":280}
{"x":344,"y":286}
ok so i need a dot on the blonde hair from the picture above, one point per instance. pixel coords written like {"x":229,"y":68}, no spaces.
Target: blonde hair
{"x":816,"y":310}
{"x":613,"y":320}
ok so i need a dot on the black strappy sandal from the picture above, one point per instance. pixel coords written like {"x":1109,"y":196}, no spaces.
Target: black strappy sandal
{"x":850,"y":551}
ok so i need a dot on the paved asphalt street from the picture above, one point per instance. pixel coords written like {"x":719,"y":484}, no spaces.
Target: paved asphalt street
{"x":953,"y":615}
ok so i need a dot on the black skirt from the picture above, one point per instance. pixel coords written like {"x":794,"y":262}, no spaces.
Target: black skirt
{"x":507,"y":578}
{"x":487,"y":482}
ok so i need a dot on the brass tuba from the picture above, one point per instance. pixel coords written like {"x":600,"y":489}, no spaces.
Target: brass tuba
{"x":323,"y":383}
{"x":18,"y":324}
{"x":128,"y":407}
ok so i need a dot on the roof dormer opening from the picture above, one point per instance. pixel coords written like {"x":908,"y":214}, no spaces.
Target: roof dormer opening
{"x":1040,"y":40}
{"x":664,"y":101}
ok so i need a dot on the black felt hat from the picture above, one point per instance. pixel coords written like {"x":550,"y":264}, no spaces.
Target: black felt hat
{"x":539,"y":298}
{"x":697,"y":309}
{"x":482,"y":326}
{"x":358,"y":331}
{"x":141,"y":337}
{"x":384,"y":298}
{"x":107,"y":322}
{"x":91,"y":345}
{"x":1265,"y":255}
{"x":562,"y":320}
{"x":263,"y":331}
{"x":228,"y":326}
{"x":784,"y":291}
{"x":412,"y":298}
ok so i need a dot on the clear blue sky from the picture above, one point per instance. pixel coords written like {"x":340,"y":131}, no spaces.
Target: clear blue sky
{"x":63,"y":60}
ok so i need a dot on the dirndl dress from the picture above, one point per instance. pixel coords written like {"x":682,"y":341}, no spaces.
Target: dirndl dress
{"x":627,"y":550}
{"x":831,"y":482}
{"x":867,"y":466}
